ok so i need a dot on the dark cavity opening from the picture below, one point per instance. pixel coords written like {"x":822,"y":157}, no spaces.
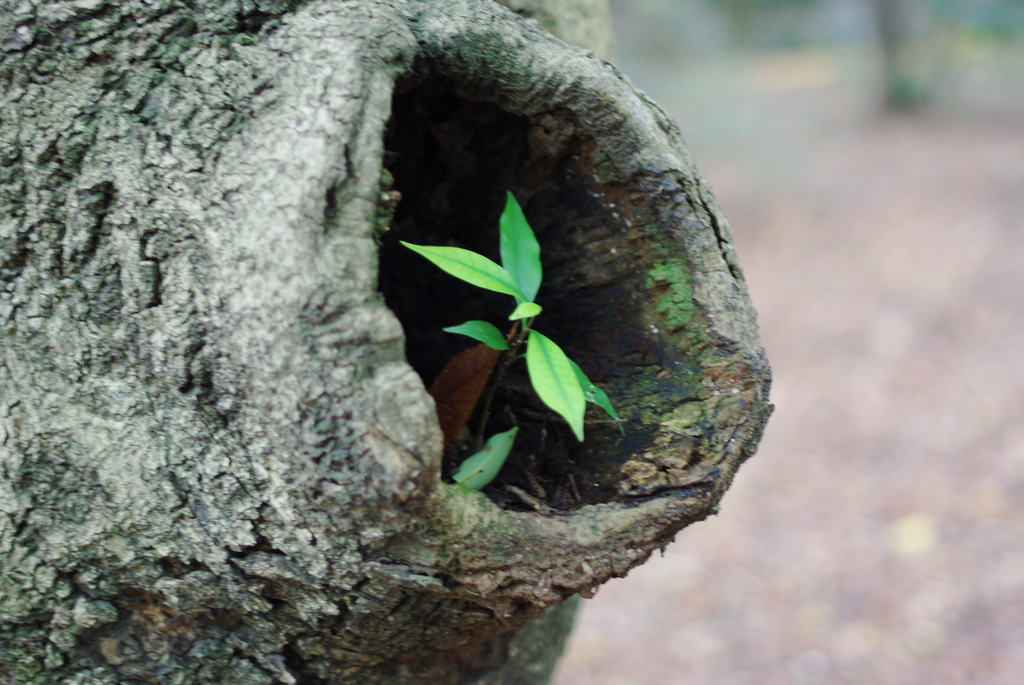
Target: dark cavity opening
{"x":452,"y":160}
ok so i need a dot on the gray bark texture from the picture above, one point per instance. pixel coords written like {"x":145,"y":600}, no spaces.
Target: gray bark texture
{"x":218,"y":459}
{"x":586,"y":23}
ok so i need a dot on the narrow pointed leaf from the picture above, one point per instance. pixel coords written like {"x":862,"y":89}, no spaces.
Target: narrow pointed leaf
{"x":525,"y":310}
{"x":520,"y":251}
{"x":555,"y":381}
{"x":471,"y":267}
{"x":458,"y":387}
{"x":481,"y":468}
{"x":595,"y":394}
{"x":486,"y":333}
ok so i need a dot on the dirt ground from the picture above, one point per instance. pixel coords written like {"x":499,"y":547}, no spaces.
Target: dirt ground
{"x":877,"y":537}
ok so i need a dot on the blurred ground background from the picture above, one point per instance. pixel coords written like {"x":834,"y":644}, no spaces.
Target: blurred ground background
{"x":878,"y":534}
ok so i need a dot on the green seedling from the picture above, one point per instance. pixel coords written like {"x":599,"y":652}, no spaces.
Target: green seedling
{"x":481,"y":468}
{"x":559,"y":382}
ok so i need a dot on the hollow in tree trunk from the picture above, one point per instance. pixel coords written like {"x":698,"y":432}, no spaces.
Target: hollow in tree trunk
{"x":218,"y":459}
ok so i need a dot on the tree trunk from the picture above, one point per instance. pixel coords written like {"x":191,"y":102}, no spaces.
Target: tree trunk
{"x":908,"y":58}
{"x":586,"y":23}
{"x":218,"y":461}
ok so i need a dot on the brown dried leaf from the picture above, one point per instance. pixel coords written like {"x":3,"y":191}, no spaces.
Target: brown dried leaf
{"x":459,"y":386}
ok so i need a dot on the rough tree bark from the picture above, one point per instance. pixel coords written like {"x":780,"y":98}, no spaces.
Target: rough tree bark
{"x":218,"y":462}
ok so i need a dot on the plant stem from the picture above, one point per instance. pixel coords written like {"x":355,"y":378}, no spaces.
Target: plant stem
{"x":516,"y":338}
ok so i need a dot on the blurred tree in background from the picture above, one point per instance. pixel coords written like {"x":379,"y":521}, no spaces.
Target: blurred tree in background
{"x":918,"y":43}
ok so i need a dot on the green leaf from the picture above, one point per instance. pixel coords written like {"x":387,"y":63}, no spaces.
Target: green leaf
{"x":595,"y":394}
{"x":555,"y":381}
{"x":485,"y":332}
{"x":520,"y":251}
{"x":481,"y":468}
{"x":525,"y":310}
{"x":471,"y":267}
